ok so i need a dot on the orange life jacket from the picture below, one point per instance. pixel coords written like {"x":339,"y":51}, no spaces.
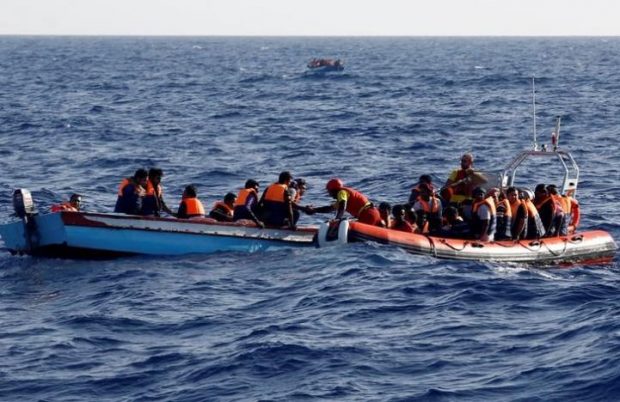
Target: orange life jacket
{"x":152,"y":190}
{"x":356,"y":202}
{"x":534,"y":217}
{"x":275,"y":192}
{"x":243,"y":196}
{"x":575,"y":213}
{"x":126,"y":181}
{"x":223,"y":206}
{"x":65,"y":206}
{"x":490,"y":203}
{"x":430,"y":207}
{"x":193,"y":207}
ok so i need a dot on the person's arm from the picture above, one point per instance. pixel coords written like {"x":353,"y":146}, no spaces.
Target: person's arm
{"x":182,"y":212}
{"x":248,"y":205}
{"x":220,"y":215}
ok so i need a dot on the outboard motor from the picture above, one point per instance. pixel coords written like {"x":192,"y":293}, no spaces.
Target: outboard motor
{"x":23,"y":203}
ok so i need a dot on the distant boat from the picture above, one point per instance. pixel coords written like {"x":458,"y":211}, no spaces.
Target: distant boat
{"x":324,"y":65}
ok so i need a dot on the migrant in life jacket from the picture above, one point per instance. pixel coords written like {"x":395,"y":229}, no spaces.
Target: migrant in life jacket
{"x":535,"y":227}
{"x":429,"y":214}
{"x":130,"y":196}
{"x":276,"y":205}
{"x":190,"y":208}
{"x":221,"y":212}
{"x":504,"y":220}
{"x":246,"y":204}
{"x":151,"y":204}
{"x":518,"y":224}
{"x":477,"y":223}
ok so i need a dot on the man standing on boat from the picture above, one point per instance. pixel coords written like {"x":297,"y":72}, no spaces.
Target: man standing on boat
{"x":131,"y":193}
{"x":461,"y":182}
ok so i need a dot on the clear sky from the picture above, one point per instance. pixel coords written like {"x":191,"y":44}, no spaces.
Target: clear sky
{"x":310,"y":17}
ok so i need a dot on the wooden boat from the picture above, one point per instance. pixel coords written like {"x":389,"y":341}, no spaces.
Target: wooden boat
{"x":325,"y":65}
{"x":101,"y":235}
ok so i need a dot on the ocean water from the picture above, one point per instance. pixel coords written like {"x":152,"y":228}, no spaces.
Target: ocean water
{"x":364,"y":322}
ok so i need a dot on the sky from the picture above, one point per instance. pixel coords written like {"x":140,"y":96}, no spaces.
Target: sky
{"x":311,"y":17}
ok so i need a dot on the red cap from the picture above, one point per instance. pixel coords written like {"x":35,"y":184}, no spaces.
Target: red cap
{"x":334,"y":185}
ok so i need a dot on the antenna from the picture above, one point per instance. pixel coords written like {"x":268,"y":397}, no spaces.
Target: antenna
{"x":555,"y":136}
{"x":534,"y":110}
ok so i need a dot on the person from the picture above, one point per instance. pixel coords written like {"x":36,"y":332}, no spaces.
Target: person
{"x":484,"y":219}
{"x":246,"y":205}
{"x":550,"y":210}
{"x":351,"y":201}
{"x":535,"y":227}
{"x":415,"y":191}
{"x":461,"y":182}
{"x":223,"y":211}
{"x":73,"y":205}
{"x":454,"y":227}
{"x":518,"y":212}
{"x":276,"y":203}
{"x":503,"y":231}
{"x":429,"y":210}
{"x":190,"y":206}
{"x":562,"y":216}
{"x":131,"y":192}
{"x":153,"y":202}
{"x":400,"y":222}
{"x":297,"y":189}
{"x":385,"y":209}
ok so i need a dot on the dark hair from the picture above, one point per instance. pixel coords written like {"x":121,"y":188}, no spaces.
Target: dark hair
{"x":141,"y":174}
{"x":397,"y":210}
{"x":155,"y":172}
{"x":540,"y":188}
{"x":452,"y":212}
{"x":190,"y":191}
{"x":251,"y":183}
{"x":300,"y":182}
{"x":425,"y":178}
{"x":229,"y":197}
{"x":512,"y":190}
{"x":552,"y":189}
{"x":385,"y":206}
{"x":285,"y":176}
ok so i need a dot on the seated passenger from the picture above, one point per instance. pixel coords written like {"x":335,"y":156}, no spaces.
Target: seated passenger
{"x":483,"y":221}
{"x":535,"y":228}
{"x":131,"y":193}
{"x":385,"y":209}
{"x":503,"y":214}
{"x":415,"y":191}
{"x":190,"y":206}
{"x":73,"y":205}
{"x":454,"y":227}
{"x":246,"y":205}
{"x":400,"y":223}
{"x":550,"y":210}
{"x":223,"y":211}
{"x":153,"y":201}
{"x":562,"y":216}
{"x":276,"y":203}
{"x":518,"y":212}
{"x":429,"y":210}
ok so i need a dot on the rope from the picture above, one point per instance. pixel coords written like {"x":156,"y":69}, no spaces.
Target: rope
{"x":444,"y":241}
{"x":433,"y":248}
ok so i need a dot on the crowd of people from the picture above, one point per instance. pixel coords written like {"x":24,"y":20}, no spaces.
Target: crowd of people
{"x":462,"y":208}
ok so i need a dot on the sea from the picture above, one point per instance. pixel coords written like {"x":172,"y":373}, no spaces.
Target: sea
{"x":358,"y":322}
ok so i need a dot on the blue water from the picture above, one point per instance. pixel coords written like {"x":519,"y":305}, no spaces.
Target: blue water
{"x":364,"y":322}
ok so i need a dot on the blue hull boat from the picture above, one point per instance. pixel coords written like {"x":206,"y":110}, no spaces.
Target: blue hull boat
{"x":99,"y":235}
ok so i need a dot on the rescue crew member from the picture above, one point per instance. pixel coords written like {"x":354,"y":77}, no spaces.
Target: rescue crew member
{"x":503,"y":212}
{"x":400,"y":223}
{"x":131,"y":191}
{"x":535,"y":228}
{"x":190,"y":206}
{"x":518,"y":212}
{"x":246,"y":205}
{"x":483,"y":215}
{"x":73,"y":205}
{"x":429,"y":210}
{"x":461,"y":182}
{"x":276,"y":203}
{"x":351,"y":201}
{"x":223,"y":211}
{"x":153,"y":202}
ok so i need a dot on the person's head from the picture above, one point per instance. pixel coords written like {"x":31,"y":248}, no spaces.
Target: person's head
{"x":552,"y":189}
{"x":333,"y":186}
{"x":426,"y":191}
{"x":512,"y":194}
{"x":384,"y":209}
{"x":229,"y":199}
{"x":300,"y":185}
{"x":493,"y":192}
{"x":540,"y":190}
{"x":285,"y":177}
{"x":478,"y":193}
{"x":190,"y":192}
{"x":251,"y":183}
{"x":527,"y":194}
{"x":452,"y":214}
{"x":140,"y":176}
{"x":75,"y":201}
{"x":155,"y":175}
{"x":425,"y":178}
{"x":467,"y":161}
{"x":399,"y":212}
